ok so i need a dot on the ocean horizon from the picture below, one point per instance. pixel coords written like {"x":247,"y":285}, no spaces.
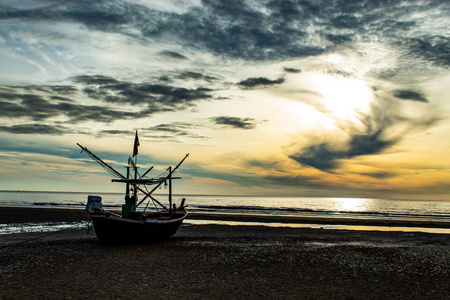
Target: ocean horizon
{"x":328,"y":207}
{"x":270,"y":205}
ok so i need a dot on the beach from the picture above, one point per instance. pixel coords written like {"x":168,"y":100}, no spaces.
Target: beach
{"x":221,"y":262}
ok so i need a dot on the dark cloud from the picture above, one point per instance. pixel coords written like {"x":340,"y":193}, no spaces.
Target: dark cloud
{"x":158,"y":97}
{"x":346,"y":21}
{"x":195,"y":76}
{"x":385,"y":74}
{"x":174,"y":55}
{"x":375,"y":139}
{"x":269,"y":30}
{"x":339,"y":38}
{"x":164,"y":78}
{"x":293,"y":181}
{"x":381,"y":175}
{"x":322,"y":156}
{"x":264,"y":164}
{"x":432,"y":48}
{"x":410,"y":95}
{"x":326,"y":156}
{"x":116,"y":132}
{"x":40,"y":103}
{"x":36,"y":129}
{"x":240,"y":123}
{"x":169,"y":128}
{"x":292,"y":70}
{"x":339,"y":73}
{"x":190,"y":75}
{"x":39,"y":108}
{"x":173,"y":130}
{"x":63,"y":89}
{"x":366,"y":144}
{"x":258,"y":81}
{"x":94,"y":80}
{"x":102,"y":15}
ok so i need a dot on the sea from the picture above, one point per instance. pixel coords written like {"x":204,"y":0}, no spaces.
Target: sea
{"x":432,"y":210}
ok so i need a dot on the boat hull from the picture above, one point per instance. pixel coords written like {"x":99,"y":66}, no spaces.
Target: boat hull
{"x":112,"y":229}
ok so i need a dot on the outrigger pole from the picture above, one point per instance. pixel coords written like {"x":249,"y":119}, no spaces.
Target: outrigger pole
{"x":107,"y":167}
{"x":114,"y":172}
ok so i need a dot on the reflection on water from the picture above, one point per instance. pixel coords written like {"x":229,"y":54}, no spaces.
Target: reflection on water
{"x":352,"y":204}
{"x":56,"y":226}
{"x":319,"y":226}
{"x":302,"y":206}
{"x":39,"y":227}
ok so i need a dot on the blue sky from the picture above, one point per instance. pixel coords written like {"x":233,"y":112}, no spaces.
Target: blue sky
{"x":286,"y":98}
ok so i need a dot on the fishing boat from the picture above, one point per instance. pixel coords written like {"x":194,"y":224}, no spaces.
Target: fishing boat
{"x":133,"y":225}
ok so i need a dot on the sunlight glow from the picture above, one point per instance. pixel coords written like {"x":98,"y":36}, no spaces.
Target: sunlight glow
{"x":350,"y":204}
{"x":343,"y":97}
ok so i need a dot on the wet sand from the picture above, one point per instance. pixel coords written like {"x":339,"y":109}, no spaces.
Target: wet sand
{"x":224,"y":262}
{"x":39,"y":214}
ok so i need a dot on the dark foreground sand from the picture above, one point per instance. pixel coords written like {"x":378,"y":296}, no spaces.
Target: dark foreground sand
{"x":226,"y":262}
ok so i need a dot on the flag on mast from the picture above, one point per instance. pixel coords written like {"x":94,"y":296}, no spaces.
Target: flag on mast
{"x":136,"y":144}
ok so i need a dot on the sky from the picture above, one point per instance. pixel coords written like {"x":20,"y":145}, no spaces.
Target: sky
{"x":270,"y":98}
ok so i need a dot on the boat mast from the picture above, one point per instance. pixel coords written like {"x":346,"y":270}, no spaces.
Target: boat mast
{"x":127,"y":191}
{"x":135,"y":183}
{"x":170,"y":189}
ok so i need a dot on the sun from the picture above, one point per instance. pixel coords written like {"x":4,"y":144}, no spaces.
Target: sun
{"x":344,"y":98}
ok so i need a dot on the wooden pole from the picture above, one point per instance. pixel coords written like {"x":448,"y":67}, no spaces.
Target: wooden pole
{"x":127,"y":191}
{"x":170,"y":189}
{"x":135,"y":185}
{"x":107,"y":167}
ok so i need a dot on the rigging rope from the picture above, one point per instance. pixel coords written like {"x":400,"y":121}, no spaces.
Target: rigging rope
{"x":104,"y":166}
{"x":164,"y":172}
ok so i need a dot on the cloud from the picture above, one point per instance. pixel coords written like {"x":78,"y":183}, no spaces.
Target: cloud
{"x":195,"y":76}
{"x":158,"y":97}
{"x":173,"y":55}
{"x":116,"y":132}
{"x":168,"y":128}
{"x":174,"y":132}
{"x":384,"y":126}
{"x":434,"y":48}
{"x":410,"y":95}
{"x":259,"y":30}
{"x":44,"y":107}
{"x":326,"y":156}
{"x":292,"y":70}
{"x":322,"y":156}
{"x":258,"y":81}
{"x":234,"y":122}
{"x":94,"y":80}
{"x":36,"y":129}
{"x":338,"y":72}
{"x":381,"y":175}
{"x":100,"y":16}
{"x":169,"y":131}
{"x":45,"y":102}
{"x":175,"y":128}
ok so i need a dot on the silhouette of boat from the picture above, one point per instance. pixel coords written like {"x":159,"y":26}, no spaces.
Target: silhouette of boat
{"x":133,"y":226}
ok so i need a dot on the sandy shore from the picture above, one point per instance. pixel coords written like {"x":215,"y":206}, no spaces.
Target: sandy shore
{"x":226,"y":262}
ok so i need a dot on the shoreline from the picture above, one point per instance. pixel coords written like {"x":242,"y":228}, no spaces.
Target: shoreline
{"x":222,"y":262}
{"x":17,"y":214}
